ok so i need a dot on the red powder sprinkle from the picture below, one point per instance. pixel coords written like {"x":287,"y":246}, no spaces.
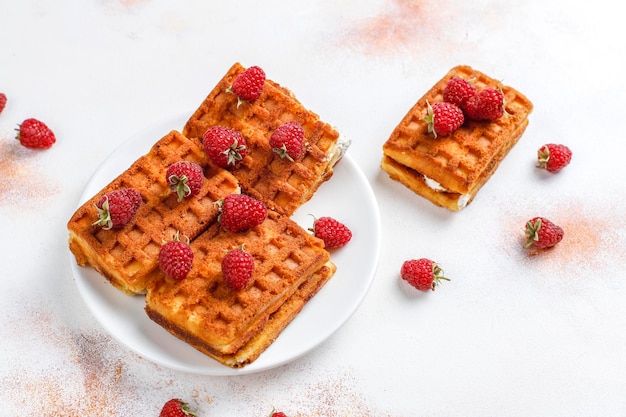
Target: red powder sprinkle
{"x":398,"y":27}
{"x":23,"y":185}
{"x":592,"y":238}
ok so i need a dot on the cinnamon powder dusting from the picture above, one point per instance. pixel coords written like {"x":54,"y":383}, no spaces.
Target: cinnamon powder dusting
{"x":402,"y":25}
{"x":594,"y":240}
{"x":23,"y":184}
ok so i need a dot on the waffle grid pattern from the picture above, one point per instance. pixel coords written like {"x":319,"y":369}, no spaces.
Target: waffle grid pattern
{"x":131,"y":252}
{"x":282,"y":185}
{"x":285,"y":256}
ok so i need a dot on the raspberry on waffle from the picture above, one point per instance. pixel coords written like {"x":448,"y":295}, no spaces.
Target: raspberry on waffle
{"x":449,"y":171}
{"x":235,"y":326}
{"x":281,"y":184}
{"x":126,"y":256}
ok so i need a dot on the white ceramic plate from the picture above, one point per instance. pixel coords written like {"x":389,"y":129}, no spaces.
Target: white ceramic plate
{"x":347,"y":196}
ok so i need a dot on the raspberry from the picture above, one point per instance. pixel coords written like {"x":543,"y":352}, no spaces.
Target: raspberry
{"x":35,"y":134}
{"x":176,"y":408}
{"x":458,"y":91}
{"x":176,"y":258}
{"x":488,"y":105}
{"x":224,"y":146}
{"x":423,"y":274}
{"x":3,"y":101}
{"x":237,"y":268}
{"x":240,"y":212}
{"x":117,"y":208}
{"x":542,"y":233}
{"x":248,"y":85}
{"x":443,"y":118}
{"x":184,"y":178}
{"x":287,"y":140}
{"x":334,"y":233}
{"x":554,"y":157}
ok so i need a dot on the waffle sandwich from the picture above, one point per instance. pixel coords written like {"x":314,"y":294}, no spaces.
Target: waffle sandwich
{"x":281,"y":184}
{"x":126,"y":256}
{"x":233,"y":326}
{"x":449,"y":171}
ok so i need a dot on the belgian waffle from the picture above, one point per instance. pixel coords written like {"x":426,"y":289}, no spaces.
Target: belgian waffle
{"x":127,"y":255}
{"x":450,"y":170}
{"x":229,"y":325}
{"x":281,"y":184}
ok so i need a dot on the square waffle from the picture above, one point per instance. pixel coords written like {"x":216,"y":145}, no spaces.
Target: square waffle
{"x":127,"y":255}
{"x":232,"y":326}
{"x":449,"y":171}
{"x":282,"y":185}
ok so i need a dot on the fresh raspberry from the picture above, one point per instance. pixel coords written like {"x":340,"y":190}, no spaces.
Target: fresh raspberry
{"x":287,"y":140}
{"x":458,"y":90}
{"x":176,"y":258}
{"x":443,"y":118}
{"x":278,"y":414}
{"x":240,"y":212}
{"x":224,"y":146}
{"x":133,"y":195}
{"x":488,"y":105}
{"x":422,"y":274}
{"x":117,"y":208}
{"x":248,"y":85}
{"x":184,"y":178}
{"x":334,"y":233}
{"x":3,"y":101}
{"x":34,"y":134}
{"x":237,"y":268}
{"x":554,"y":157}
{"x":542,"y":233}
{"x":176,"y":408}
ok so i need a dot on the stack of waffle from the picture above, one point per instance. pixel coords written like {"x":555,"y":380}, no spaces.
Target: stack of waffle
{"x":450,"y":170}
{"x":233,"y":327}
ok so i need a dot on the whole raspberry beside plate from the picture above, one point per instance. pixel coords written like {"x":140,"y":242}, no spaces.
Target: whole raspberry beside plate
{"x":554,"y":157}
{"x":35,"y":134}
{"x":3,"y":101}
{"x":423,"y":274}
{"x":176,"y":408}
{"x":542,"y":233}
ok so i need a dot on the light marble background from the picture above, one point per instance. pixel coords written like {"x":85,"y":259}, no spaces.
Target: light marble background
{"x":510,"y":335}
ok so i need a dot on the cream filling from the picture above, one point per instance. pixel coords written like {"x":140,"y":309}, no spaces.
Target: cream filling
{"x":432,"y":184}
{"x":339,"y":149}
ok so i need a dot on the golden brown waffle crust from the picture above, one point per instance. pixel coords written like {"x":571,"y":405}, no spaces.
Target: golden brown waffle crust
{"x":281,"y":184}
{"x":225,"y":319}
{"x":462,"y":162}
{"x":266,"y":334}
{"x":126,"y":256}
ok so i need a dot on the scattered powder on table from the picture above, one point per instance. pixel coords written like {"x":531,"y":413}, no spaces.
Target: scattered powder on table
{"x":82,"y":375}
{"x":594,"y":240}
{"x":402,"y":25}
{"x":23,"y":185}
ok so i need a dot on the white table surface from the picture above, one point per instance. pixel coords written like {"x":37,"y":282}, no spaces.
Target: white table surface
{"x":510,"y":335}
